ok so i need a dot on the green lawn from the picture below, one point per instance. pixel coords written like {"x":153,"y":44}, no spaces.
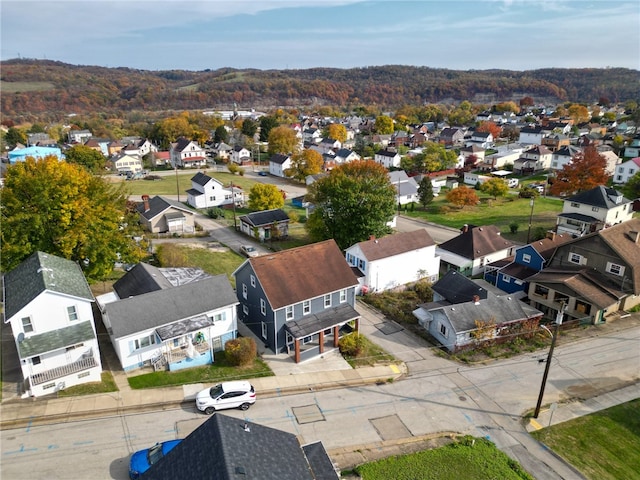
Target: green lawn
{"x":466,"y":459}
{"x":501,"y":213}
{"x":603,"y":445}
{"x":218,"y":372}
{"x":167,"y":185}
{"x":107,"y":384}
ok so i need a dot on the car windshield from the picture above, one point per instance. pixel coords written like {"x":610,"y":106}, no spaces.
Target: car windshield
{"x":215,"y":392}
{"x":249,"y":249}
{"x":154,"y":454}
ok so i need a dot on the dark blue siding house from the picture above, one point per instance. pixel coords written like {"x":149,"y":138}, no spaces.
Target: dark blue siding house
{"x":299,"y":301}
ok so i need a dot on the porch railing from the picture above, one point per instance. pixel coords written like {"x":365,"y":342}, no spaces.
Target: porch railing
{"x":178,"y":354}
{"x":63,"y":371}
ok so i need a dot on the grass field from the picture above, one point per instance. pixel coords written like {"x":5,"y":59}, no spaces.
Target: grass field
{"x":466,"y":459}
{"x":17,"y":87}
{"x":603,"y":446}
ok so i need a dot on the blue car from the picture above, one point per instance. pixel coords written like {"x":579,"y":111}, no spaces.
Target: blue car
{"x":262,"y":173}
{"x":142,"y":460}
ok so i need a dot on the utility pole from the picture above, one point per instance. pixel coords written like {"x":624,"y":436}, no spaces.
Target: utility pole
{"x":175,"y":167}
{"x":532,"y":202}
{"x":563,"y":307}
{"x":233,"y":199}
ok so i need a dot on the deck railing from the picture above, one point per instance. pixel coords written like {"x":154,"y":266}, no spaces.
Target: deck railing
{"x":63,"y":371}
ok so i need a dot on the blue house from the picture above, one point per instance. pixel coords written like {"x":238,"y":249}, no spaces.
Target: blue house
{"x":299,"y":301}
{"x":511,"y":274}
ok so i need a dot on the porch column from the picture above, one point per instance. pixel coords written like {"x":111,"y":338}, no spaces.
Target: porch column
{"x":297,"y":351}
{"x":357,"y":324}
{"x":336,"y":334}
{"x":321,"y":340}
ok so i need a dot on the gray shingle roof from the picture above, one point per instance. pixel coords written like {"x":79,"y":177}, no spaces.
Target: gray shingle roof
{"x":40,"y":272}
{"x":477,"y":242}
{"x":158,"y":205}
{"x":599,"y":196}
{"x":143,"y":278}
{"x":56,"y":339}
{"x":201,"y":178}
{"x":223,"y":449}
{"x":265,"y":217}
{"x":162,"y":307}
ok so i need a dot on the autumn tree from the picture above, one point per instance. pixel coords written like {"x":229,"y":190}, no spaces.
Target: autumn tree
{"x":496,"y":187}
{"x":462,"y":196}
{"x":283,"y":140}
{"x":15,"y":136}
{"x":384,"y":125}
{"x":437,"y":157}
{"x":62,"y":209}
{"x":586,"y":170}
{"x":578,"y":113}
{"x":304,"y":163}
{"x":264,"y":196}
{"x":356,"y":200}
{"x":425,"y":191}
{"x":336,"y":131}
{"x":490,"y":127}
{"x":463,"y":114}
{"x":526,"y":102}
{"x":89,"y":158}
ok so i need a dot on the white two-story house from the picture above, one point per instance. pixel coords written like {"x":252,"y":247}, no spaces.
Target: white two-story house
{"x":208,"y":192}
{"x":626,"y":170}
{"x":49,"y":306}
{"x":591,"y":211}
{"x":186,"y":153}
{"x":387,"y":158}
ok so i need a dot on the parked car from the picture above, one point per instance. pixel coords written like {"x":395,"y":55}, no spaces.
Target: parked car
{"x":537,"y":186}
{"x":249,"y":251}
{"x":142,"y":460}
{"x":239,"y":394}
{"x":262,"y":173}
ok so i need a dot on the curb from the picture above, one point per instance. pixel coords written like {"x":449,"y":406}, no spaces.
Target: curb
{"x":33,"y":420}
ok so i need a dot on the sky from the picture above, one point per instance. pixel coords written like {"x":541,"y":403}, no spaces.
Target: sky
{"x":292,"y":34}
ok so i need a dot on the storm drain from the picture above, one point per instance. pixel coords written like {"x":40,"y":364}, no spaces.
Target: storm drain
{"x":308,"y":414}
{"x":388,"y":327}
{"x":390,"y":428}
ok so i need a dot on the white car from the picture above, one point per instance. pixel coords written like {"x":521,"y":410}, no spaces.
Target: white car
{"x":249,"y":251}
{"x":238,"y":394}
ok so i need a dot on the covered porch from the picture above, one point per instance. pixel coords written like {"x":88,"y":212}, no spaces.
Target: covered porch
{"x":317,"y":333}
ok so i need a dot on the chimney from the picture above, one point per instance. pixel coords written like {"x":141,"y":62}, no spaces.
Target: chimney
{"x":551,"y":235}
{"x":372,"y":237}
{"x":465,"y":228}
{"x":145,"y":199}
{"x":476,"y":300}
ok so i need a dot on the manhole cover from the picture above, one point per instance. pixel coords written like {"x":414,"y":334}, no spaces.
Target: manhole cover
{"x":308,"y":414}
{"x":388,"y":327}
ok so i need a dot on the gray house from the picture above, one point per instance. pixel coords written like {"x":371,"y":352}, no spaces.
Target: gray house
{"x":266,"y":224}
{"x":299,"y":300}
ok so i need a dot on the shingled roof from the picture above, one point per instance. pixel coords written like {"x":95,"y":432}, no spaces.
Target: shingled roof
{"x":624,"y":238}
{"x":599,"y":196}
{"x":265,"y":217}
{"x":39,"y":272}
{"x":298,"y":274}
{"x":395,"y":244}
{"x":475,"y":242}
{"x":227,"y":448}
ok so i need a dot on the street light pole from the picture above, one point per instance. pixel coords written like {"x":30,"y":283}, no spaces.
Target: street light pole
{"x":563,"y":306}
{"x":531,"y":203}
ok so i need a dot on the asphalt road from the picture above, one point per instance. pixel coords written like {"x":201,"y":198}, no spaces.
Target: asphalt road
{"x":483,"y":400}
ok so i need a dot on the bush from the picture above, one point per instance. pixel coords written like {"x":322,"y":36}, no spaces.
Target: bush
{"x":351,"y":345}
{"x":513,"y":227}
{"x":293,"y":216}
{"x":233,"y":168}
{"x":241,"y":351}
{"x":215,"y":212}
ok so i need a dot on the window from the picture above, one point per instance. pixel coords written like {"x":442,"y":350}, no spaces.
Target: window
{"x":576,"y":258}
{"x":327,"y":300}
{"x":244,"y":290}
{"x":526,"y":258}
{"x":145,"y":341}
{"x":306,"y":307}
{"x":306,"y":340}
{"x":26,"y":325}
{"x":253,"y":281}
{"x":263,"y":307}
{"x":72,"y":312}
{"x":541,"y":291}
{"x":245,"y":309}
{"x":36,"y":360}
{"x":615,"y":268}
{"x":219,"y":317}
{"x":443,"y":329}
{"x":264,"y":329}
{"x":595,"y":209}
{"x":289,"y":312}
{"x":343,"y":296}
{"x":575,"y":205}
{"x":361,"y":264}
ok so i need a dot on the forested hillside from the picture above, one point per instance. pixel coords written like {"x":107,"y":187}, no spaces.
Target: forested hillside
{"x":33,"y":88}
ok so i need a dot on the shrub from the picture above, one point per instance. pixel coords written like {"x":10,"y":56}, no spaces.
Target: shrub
{"x":351,"y":345}
{"x":423,"y":290}
{"x":241,"y":351}
{"x":215,"y":212}
{"x":233,"y":168}
{"x":293,"y":216}
{"x":513,"y":227}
